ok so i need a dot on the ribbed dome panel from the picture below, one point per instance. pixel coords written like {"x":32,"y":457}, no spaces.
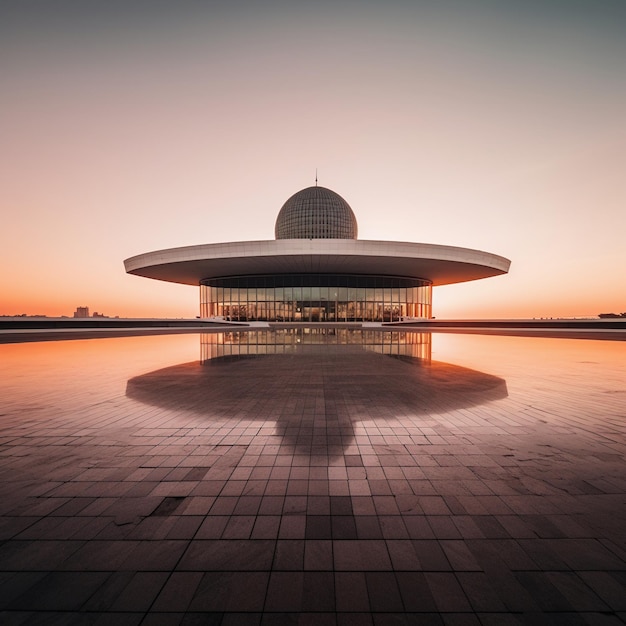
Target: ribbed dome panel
{"x":316,"y":213}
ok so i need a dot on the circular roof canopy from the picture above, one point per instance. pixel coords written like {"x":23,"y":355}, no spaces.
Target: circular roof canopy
{"x":442,"y":265}
{"x":316,"y":213}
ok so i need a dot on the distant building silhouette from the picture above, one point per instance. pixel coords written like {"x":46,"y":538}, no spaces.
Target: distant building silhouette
{"x":81,"y":311}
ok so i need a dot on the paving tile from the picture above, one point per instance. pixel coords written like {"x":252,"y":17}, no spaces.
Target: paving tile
{"x":36,"y":555}
{"x":230,"y":555}
{"x":586,"y":554}
{"x":322,"y":491}
{"x":230,"y":592}
{"x":415,"y":592}
{"x":141,"y":591}
{"x":318,"y":592}
{"x":14,"y":584}
{"x":241,"y":619}
{"x":318,"y":555}
{"x":547,"y":595}
{"x":51,"y":592}
{"x":490,"y":527}
{"x":443,"y":527}
{"x":212,"y":527}
{"x":417,"y":527}
{"x":499,"y":619}
{"x":392,"y":527}
{"x":480,"y":592}
{"x":368,"y":527}
{"x":351,"y":592}
{"x":177,"y":592}
{"x":360,"y":555}
{"x":107,"y":594}
{"x":431,"y":555}
{"x":576,"y":592}
{"x":239,"y":527}
{"x":318,"y":527}
{"x":266,"y":527}
{"x":447,"y":592}
{"x":607,"y":587}
{"x":284,"y":593}
{"x":459,"y":556}
{"x":163,"y":619}
{"x":289,"y":555}
{"x":461,"y":619}
{"x":154,"y":556}
{"x":402,"y":554}
{"x":355,"y":619}
{"x":384,"y":594}
{"x":292,"y":527}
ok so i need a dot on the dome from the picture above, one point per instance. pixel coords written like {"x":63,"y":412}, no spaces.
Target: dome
{"x":316,"y":213}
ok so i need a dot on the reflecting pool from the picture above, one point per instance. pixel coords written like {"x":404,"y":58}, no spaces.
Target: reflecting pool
{"x":329,"y":476}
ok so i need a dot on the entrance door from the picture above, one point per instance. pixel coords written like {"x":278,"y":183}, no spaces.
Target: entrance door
{"x":313,"y":314}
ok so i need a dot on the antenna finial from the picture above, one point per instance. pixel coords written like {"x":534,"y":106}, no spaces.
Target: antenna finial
{"x":316,"y":177}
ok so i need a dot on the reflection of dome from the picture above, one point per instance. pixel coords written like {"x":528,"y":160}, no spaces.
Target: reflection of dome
{"x":316,"y":213}
{"x":338,"y":368}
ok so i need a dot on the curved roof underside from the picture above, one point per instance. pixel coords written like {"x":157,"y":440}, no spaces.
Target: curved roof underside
{"x":443,"y":265}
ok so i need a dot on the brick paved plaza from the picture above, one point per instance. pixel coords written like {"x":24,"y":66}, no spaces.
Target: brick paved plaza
{"x":138,"y":486}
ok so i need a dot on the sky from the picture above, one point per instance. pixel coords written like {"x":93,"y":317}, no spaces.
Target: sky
{"x":131,"y":126}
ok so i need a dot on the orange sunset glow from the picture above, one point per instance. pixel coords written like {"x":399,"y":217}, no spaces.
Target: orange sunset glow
{"x":136,"y":126}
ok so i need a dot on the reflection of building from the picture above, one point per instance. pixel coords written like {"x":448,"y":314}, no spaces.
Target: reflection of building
{"x":314,"y":386}
{"x":316,"y":270}
{"x":307,"y":340}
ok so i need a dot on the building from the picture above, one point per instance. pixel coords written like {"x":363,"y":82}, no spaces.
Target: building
{"x":81,"y":311}
{"x":316,"y":270}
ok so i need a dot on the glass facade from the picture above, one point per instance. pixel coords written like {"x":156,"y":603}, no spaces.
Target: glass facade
{"x":315,"y":298}
{"x":245,"y":344}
